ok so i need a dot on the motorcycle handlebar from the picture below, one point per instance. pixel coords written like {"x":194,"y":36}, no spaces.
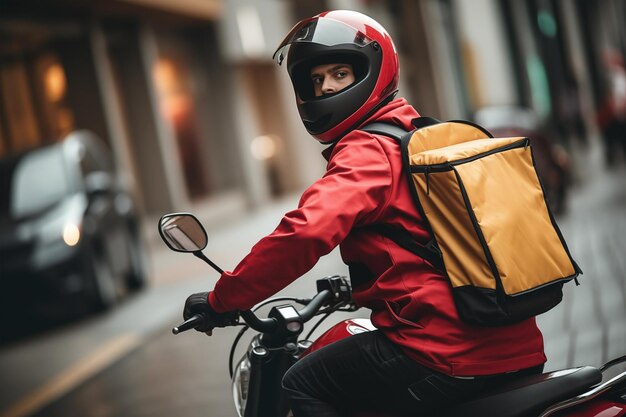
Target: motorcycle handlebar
{"x":316,"y":303}
{"x":190,"y":323}
{"x":258,"y":324}
{"x":267,"y":325}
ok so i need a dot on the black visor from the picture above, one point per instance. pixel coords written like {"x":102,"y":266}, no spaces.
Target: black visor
{"x":323,"y":31}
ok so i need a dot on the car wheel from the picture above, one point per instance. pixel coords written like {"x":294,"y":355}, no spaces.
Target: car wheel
{"x":137,"y":269}
{"x":104,"y":291}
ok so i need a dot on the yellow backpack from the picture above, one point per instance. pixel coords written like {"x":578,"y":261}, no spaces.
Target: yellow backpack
{"x":493,"y":233}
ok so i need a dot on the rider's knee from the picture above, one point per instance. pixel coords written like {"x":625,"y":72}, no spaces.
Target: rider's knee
{"x":295,"y":379}
{"x":289,"y":381}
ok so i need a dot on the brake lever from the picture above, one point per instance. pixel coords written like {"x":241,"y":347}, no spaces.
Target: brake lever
{"x":341,"y":306}
{"x":350,"y":307}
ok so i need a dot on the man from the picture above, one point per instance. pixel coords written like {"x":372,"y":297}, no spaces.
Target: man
{"x":344,"y":69}
{"x":331,"y":78}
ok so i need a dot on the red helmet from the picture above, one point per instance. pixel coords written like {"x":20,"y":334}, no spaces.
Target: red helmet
{"x":345,"y":37}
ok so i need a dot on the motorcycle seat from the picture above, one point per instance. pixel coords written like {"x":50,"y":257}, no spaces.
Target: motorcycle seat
{"x":530,"y":395}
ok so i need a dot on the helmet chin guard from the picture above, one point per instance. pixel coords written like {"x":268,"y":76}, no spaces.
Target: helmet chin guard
{"x":343,"y":37}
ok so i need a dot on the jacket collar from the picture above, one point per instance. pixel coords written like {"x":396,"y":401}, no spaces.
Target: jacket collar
{"x":397,"y":112}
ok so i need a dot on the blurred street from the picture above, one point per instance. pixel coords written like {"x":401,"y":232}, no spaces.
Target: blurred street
{"x":113,"y":113}
{"x":127,"y":362}
{"x":38,"y":371}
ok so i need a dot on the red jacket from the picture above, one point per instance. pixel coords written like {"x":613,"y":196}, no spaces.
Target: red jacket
{"x":410,"y":301}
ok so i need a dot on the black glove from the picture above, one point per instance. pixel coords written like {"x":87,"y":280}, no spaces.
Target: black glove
{"x":198,"y":303}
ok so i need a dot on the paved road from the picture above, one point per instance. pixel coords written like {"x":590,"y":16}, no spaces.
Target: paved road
{"x":38,"y":371}
{"x":589,"y":326}
{"x":140,"y":369}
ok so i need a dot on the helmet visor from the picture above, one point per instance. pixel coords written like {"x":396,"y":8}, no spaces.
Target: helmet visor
{"x":322,"y":31}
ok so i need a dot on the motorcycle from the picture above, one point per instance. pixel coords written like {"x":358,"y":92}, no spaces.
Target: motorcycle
{"x":277,"y":345}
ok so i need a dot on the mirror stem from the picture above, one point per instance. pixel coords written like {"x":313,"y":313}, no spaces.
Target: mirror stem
{"x":202,"y":256}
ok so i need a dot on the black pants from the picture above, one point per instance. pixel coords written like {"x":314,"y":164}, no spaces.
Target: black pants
{"x":368,"y":373}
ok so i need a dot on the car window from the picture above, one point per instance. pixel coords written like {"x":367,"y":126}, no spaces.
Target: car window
{"x":37,"y":181}
{"x":88,"y":163}
{"x":94,"y":156}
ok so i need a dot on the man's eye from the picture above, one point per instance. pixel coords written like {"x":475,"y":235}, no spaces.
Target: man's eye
{"x":317,"y":80}
{"x":341,"y":74}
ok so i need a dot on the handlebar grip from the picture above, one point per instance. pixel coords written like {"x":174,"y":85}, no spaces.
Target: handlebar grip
{"x":190,"y":323}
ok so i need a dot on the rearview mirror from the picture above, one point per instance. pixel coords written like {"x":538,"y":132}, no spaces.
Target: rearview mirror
{"x":182,"y":232}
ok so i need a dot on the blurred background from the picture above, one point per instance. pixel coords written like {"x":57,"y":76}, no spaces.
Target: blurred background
{"x":113,"y":113}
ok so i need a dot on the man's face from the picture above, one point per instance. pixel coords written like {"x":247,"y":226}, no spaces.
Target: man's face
{"x":331,"y":78}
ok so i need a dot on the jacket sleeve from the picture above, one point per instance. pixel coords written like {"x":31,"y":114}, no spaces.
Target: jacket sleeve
{"x":353,"y":192}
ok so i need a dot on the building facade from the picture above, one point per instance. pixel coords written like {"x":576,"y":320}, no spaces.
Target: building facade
{"x":198,"y":116}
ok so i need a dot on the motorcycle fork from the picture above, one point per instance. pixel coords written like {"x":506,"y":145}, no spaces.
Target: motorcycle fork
{"x":265,"y":394}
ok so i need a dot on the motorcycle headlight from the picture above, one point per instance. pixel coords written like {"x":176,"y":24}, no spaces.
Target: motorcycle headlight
{"x":241,"y":382}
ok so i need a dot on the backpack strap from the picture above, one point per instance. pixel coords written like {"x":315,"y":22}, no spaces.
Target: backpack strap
{"x":424,"y":121}
{"x":429,"y":252}
{"x":385,"y":129}
{"x":395,"y":131}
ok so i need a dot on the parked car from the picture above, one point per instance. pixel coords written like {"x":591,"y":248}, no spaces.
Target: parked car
{"x":553,"y":162}
{"x":69,"y":233}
